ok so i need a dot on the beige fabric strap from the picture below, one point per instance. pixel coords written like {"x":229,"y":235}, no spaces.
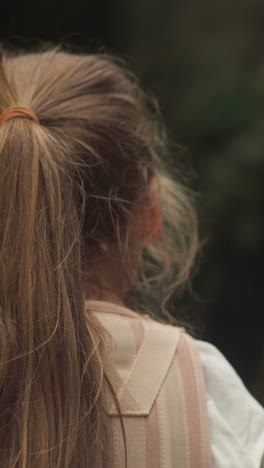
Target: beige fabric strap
{"x":136,"y":442}
{"x":137,"y":395}
{"x":152,"y":438}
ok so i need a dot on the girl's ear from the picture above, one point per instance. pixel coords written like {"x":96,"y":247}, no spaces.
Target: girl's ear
{"x":153,"y":223}
{"x":149,"y":216}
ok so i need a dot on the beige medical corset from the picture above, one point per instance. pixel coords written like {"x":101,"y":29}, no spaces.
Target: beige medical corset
{"x":156,"y":373}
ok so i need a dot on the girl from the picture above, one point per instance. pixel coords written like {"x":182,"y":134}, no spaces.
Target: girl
{"x":92,"y":226}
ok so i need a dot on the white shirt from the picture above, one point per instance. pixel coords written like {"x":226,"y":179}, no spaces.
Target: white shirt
{"x":236,"y":418}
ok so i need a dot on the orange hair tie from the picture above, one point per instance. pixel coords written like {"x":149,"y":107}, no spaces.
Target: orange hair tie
{"x":17,"y":111}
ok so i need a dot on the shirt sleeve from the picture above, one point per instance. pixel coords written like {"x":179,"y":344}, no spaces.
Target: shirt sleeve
{"x":236,"y":419}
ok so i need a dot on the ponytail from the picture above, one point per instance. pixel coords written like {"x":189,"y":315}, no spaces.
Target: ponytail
{"x":48,"y":355}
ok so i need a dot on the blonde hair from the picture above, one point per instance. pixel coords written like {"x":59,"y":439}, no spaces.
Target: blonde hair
{"x":69,"y":185}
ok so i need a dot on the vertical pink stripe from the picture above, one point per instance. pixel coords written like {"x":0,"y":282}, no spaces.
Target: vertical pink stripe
{"x":152,"y":439}
{"x":151,"y":421}
{"x":204,"y":420}
{"x":108,"y":461}
{"x":191,"y":393}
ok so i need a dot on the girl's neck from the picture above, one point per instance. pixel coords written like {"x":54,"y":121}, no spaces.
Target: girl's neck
{"x":109,"y":296}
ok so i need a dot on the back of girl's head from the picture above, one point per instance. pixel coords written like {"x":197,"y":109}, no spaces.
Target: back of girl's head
{"x":70,"y":186}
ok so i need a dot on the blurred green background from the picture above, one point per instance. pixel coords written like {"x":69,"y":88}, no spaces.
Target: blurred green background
{"x":204,"y":61}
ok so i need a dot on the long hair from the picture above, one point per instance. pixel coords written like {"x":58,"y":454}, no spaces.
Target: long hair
{"x":69,"y":187}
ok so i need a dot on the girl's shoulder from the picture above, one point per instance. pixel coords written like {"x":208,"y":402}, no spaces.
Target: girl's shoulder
{"x":156,"y":373}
